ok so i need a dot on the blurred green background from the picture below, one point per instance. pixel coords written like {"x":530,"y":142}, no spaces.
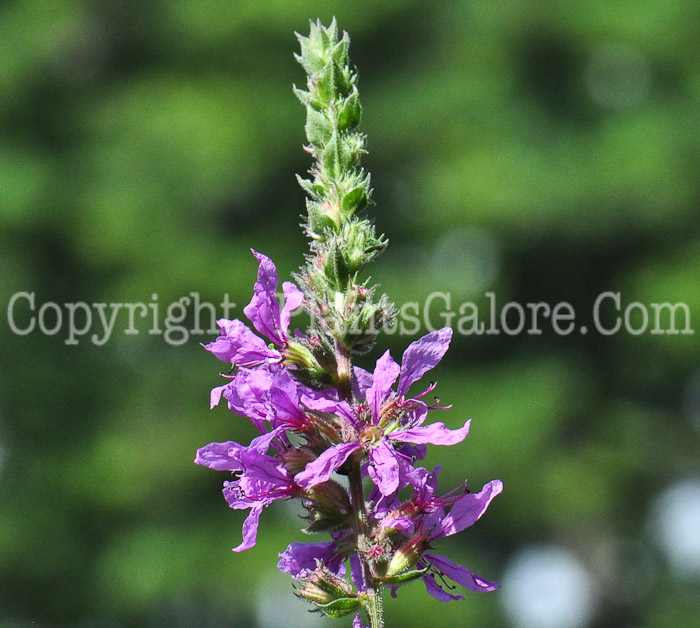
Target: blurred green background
{"x":543,"y":151}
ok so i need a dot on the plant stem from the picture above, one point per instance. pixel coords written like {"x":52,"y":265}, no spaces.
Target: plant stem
{"x":373,"y":604}
{"x":374,"y":593}
{"x":344,"y":371}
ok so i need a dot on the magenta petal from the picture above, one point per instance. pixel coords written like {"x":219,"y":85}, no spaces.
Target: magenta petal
{"x":300,"y":558}
{"x":384,"y":469}
{"x":385,"y":375}
{"x":356,"y":572}
{"x":264,"y":309}
{"x":220,"y":456}
{"x":467,"y":510}
{"x":238,"y":345}
{"x":361,"y":381}
{"x":357,"y":623}
{"x":215,"y":396}
{"x":402,"y":524}
{"x":437,"y":591}
{"x":293,"y":298}
{"x":320,"y":470}
{"x":433,"y":434}
{"x":423,"y":355}
{"x":259,"y":467}
{"x":250,"y":529}
{"x":261,"y":443}
{"x":248,"y":394}
{"x":461,"y":575}
{"x":339,"y":408}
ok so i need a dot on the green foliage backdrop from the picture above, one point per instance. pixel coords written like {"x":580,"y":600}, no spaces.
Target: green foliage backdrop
{"x":543,"y":151}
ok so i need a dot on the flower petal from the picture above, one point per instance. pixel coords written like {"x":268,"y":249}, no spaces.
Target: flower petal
{"x":437,"y":591}
{"x":461,"y":575}
{"x":384,"y":469}
{"x":356,"y":572}
{"x":385,"y":375}
{"x":467,"y":510}
{"x":240,"y":346}
{"x":284,"y":400}
{"x":361,"y":381}
{"x":293,"y":298}
{"x":320,"y":470}
{"x":341,"y":409}
{"x":301,"y":557}
{"x":220,"y":456}
{"x":423,"y":355}
{"x":433,"y":434}
{"x":264,"y":309}
{"x":248,"y":394}
{"x":357,"y":623}
{"x":215,"y":396}
{"x":250,"y":529}
{"x":259,"y":467}
{"x":261,"y":444}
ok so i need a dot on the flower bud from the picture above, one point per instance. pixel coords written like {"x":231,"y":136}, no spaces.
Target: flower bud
{"x":407,"y":555}
{"x":328,"y":505}
{"x":311,"y":592}
{"x":331,"y":594}
{"x":295,"y":460}
{"x":304,"y":364}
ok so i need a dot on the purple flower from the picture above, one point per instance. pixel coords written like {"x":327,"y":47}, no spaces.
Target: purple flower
{"x":398,"y":418}
{"x":424,"y":519}
{"x":248,"y":394}
{"x":464,"y":512}
{"x":445,"y":568}
{"x":260,"y":478}
{"x":300,"y":558}
{"x":270,"y":395}
{"x":264,"y":310}
{"x":240,"y":346}
{"x":391,"y":419}
{"x":357,"y":622}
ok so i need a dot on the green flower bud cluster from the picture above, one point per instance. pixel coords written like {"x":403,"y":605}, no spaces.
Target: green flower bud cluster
{"x":330,"y":594}
{"x":343,"y":310}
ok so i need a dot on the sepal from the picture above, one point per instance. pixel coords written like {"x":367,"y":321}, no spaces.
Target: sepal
{"x":328,"y":507}
{"x":405,"y":577}
{"x":407,"y":556}
{"x":304,"y":364}
{"x":340,"y":607}
{"x":329,"y":593}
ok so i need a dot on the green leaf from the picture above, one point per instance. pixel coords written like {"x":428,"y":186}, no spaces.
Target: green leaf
{"x":318,"y":127}
{"x":408,"y":576}
{"x":340,"y":607}
{"x":350,"y":112}
{"x":355,"y":200}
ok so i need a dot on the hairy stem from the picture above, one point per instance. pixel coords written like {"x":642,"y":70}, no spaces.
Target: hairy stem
{"x":373,"y":604}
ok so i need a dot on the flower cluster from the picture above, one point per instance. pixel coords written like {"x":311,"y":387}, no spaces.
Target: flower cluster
{"x":344,"y":441}
{"x":313,"y":433}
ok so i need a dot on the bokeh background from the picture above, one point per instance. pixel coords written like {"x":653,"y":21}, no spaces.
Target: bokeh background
{"x":542,"y":151}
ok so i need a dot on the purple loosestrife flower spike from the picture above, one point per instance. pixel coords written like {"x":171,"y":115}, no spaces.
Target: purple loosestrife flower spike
{"x":342,"y":440}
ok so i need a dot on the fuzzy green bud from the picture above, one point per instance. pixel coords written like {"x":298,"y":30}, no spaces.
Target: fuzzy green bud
{"x":312,"y":365}
{"x":407,"y":555}
{"x":328,"y":507}
{"x":332,"y":595}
